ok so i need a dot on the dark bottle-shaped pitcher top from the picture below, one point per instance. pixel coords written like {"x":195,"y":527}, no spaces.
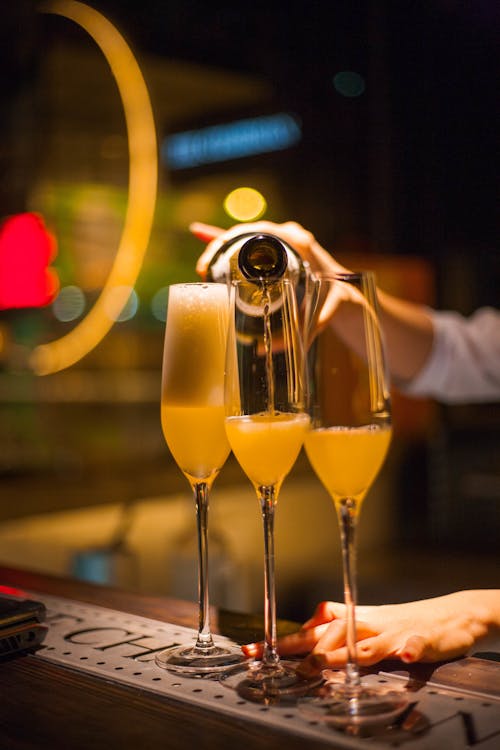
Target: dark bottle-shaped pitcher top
{"x":263,"y":257}
{"x":259,"y":256}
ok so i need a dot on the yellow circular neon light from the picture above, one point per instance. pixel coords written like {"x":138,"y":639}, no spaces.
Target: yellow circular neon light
{"x":143,"y":177}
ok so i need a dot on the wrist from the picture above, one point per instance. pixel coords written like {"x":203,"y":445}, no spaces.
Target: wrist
{"x":491,"y":603}
{"x":484,"y":605}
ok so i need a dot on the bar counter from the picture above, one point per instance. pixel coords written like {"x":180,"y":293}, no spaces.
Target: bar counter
{"x":48,"y":704}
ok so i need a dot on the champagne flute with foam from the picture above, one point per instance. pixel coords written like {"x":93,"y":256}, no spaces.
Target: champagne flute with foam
{"x":192,"y":418}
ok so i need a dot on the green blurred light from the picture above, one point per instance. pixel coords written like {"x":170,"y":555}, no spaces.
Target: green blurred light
{"x":348,"y":83}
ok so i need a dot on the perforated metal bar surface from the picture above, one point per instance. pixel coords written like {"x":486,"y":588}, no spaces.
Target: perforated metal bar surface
{"x":117,"y":646}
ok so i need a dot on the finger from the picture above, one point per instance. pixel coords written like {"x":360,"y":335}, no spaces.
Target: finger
{"x":414,"y":649}
{"x":435,"y":646}
{"x":300,"y":642}
{"x":373,"y":649}
{"x":325,"y":612}
{"x":369,"y":651}
{"x":204,"y":232}
{"x":316,"y":662}
{"x":204,"y":260}
{"x":254,"y":650}
{"x":326,"y":636}
{"x":295,"y":234}
{"x":331,"y":649}
{"x":290,"y":232}
{"x":333,"y":637}
{"x":322,"y":260}
{"x":303,"y":641}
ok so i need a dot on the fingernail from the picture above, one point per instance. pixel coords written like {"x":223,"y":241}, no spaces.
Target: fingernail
{"x":202,"y":232}
{"x":250,"y":649}
{"x":199,"y":231}
{"x":408,"y":656}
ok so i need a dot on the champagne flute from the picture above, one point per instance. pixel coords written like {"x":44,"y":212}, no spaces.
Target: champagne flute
{"x":266,"y":422}
{"x":192,"y":417}
{"x":346,"y":446}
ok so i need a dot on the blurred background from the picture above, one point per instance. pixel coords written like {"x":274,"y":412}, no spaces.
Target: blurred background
{"x":371,"y":123}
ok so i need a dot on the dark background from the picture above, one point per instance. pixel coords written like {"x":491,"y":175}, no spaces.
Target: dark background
{"x":429,"y":110}
{"x":413,"y":161}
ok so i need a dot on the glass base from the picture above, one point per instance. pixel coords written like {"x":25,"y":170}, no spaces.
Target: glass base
{"x":192,"y":661}
{"x":363,"y":705}
{"x":269,"y":685}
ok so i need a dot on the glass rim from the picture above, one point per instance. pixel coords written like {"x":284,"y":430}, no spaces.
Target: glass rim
{"x":259,"y":282}
{"x":344,"y":275}
{"x":196,"y":283}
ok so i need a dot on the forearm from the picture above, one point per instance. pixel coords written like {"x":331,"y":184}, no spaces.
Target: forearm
{"x":407,"y":330}
{"x":408,"y":333}
{"x":484,"y":604}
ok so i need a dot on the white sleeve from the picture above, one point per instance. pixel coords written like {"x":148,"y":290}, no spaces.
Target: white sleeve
{"x":464,"y":363}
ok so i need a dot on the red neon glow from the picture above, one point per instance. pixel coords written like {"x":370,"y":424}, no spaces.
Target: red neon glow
{"x":26,"y":251}
{"x":10,"y":591}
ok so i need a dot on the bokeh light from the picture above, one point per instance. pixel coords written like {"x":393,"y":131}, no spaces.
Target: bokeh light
{"x":256,"y":135}
{"x":26,"y":250}
{"x":245,"y":204}
{"x":348,"y":83}
{"x":159,"y":304}
{"x":69,"y":304}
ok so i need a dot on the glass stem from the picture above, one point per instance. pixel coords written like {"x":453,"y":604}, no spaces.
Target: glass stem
{"x":201,"y":494}
{"x":347,"y":512}
{"x":270,"y":657}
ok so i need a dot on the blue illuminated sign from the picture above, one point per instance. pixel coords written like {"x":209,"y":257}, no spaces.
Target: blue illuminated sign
{"x":233,"y":140}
